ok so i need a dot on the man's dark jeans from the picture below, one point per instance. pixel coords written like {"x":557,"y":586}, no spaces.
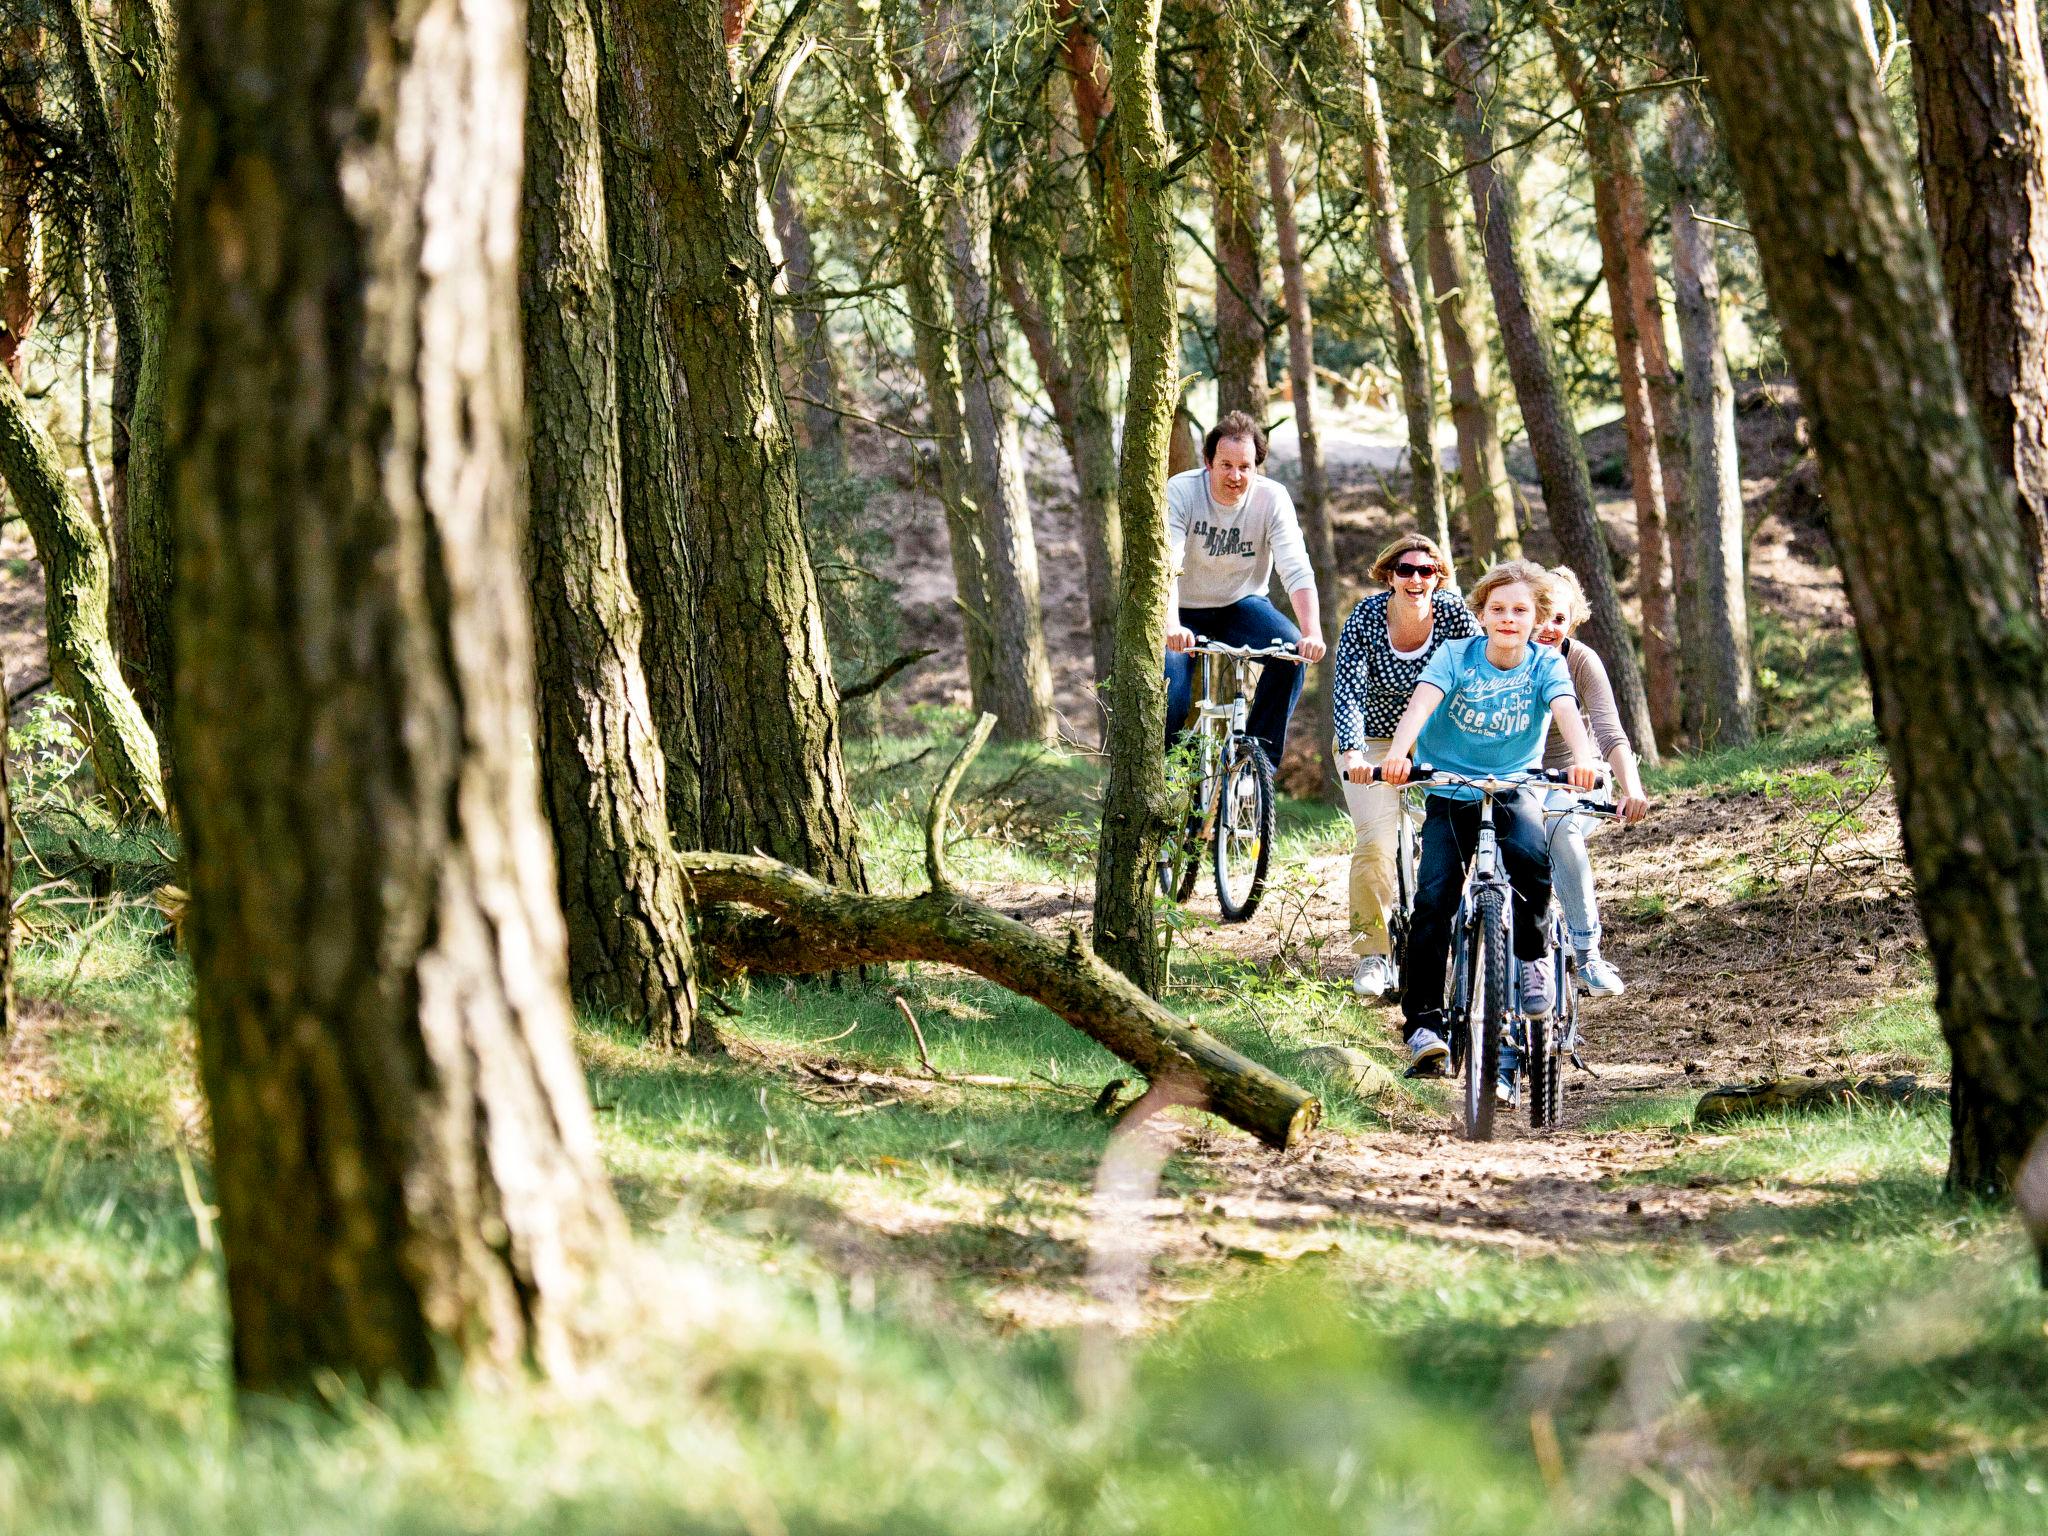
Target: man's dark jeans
{"x":1250,"y":621}
{"x":1450,"y":837}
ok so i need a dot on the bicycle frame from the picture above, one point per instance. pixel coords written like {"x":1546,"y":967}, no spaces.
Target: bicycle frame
{"x":1218,"y":716}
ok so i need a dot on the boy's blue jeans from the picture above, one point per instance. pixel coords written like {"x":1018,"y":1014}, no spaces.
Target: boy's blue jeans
{"x":1251,"y":621}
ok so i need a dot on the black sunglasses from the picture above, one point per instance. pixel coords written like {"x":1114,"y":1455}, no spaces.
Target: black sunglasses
{"x":1405,"y":569}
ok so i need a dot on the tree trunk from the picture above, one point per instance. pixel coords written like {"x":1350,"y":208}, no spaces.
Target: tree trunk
{"x":816,"y":368}
{"x":1554,"y":441}
{"x":1412,"y":353}
{"x":1134,"y":809}
{"x":1932,"y":550}
{"x":767,"y":710}
{"x":7,"y":833}
{"x":1719,"y":694}
{"x":76,"y":583}
{"x":1486,"y":494}
{"x":662,"y":554}
{"x":603,"y":781}
{"x":1021,"y":678}
{"x":1232,"y":114}
{"x":21,"y":219}
{"x":892,"y":139}
{"x":404,"y":1158}
{"x":125,"y":129}
{"x":819,"y":929}
{"x":1983,"y":108}
{"x":1611,"y":148}
{"x":1316,"y":530}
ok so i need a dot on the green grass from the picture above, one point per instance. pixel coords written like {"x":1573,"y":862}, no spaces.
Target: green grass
{"x":830,"y":1326}
{"x":1904,"y":1029}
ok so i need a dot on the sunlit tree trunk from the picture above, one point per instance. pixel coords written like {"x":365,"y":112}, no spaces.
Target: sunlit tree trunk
{"x":816,"y":368}
{"x":1611,"y":148}
{"x":1134,"y":813}
{"x":1486,"y":494}
{"x":76,"y":583}
{"x":1932,"y":548}
{"x":1719,"y":692}
{"x":21,"y":220}
{"x":1553,"y":440}
{"x":1021,"y":678}
{"x":1316,"y":531}
{"x":1412,"y":353}
{"x":404,"y":1159}
{"x":1983,"y":108}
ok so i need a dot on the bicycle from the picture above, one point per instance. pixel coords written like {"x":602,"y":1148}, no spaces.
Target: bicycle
{"x":1482,"y":969}
{"x":1230,"y":804}
{"x":1554,"y":1040}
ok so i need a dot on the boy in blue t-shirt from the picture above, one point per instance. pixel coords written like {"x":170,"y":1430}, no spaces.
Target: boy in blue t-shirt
{"x":1480,"y":710}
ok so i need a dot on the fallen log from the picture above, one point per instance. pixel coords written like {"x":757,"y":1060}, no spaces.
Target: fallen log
{"x":1806,"y":1094}
{"x":811,"y":928}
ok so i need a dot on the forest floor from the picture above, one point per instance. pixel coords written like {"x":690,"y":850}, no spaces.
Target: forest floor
{"x":868,"y":1299}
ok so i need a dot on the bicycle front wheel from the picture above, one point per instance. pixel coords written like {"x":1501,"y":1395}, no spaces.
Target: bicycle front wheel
{"x":1549,"y":1041}
{"x":1244,"y":830}
{"x":1490,"y":971}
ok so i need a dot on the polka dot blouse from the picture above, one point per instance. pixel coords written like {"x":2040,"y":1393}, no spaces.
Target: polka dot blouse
{"x":1372,"y":683}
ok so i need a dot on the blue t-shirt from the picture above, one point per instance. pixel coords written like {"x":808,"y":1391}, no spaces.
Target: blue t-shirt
{"x":1490,"y":721}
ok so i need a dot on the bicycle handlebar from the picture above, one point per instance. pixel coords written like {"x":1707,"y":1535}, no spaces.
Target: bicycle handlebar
{"x":1279,"y":649}
{"x":1422,"y":773}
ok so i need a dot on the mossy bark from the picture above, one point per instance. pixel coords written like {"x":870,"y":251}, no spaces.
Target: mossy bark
{"x":404,"y":1156}
{"x":76,"y":586}
{"x":603,"y":781}
{"x":1932,"y":547}
{"x":1134,"y":803}
{"x":767,"y":708}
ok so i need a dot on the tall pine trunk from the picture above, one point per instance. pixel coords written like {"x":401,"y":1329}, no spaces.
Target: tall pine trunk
{"x":76,"y":586}
{"x":1486,"y":494}
{"x":1134,"y":808}
{"x":892,"y":140}
{"x":21,"y":217}
{"x":404,"y":1156}
{"x":603,"y":781}
{"x":766,"y":705}
{"x":1412,"y":352}
{"x":1021,"y":675}
{"x":1610,"y":145}
{"x":1983,"y":109}
{"x":1316,"y":529}
{"x":662,"y":553}
{"x":1932,"y":548}
{"x":1233,"y":112}
{"x":1720,"y":696}
{"x":1553,"y":440}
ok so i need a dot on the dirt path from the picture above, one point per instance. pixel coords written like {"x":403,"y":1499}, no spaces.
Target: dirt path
{"x":1738,"y":969}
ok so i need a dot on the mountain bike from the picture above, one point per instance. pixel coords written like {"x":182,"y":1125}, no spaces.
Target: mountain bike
{"x":1483,"y":1010}
{"x":1554,"y":1040}
{"x":1228,"y":809}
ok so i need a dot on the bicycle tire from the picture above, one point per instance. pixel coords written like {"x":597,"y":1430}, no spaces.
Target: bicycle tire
{"x":1237,"y":799}
{"x":1399,"y":920}
{"x":1180,"y":856}
{"x":1542,"y":1059}
{"x":1482,"y":1063}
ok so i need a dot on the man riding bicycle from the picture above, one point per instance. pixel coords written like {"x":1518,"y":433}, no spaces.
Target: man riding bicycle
{"x":1227,"y":526}
{"x":1479,"y":711}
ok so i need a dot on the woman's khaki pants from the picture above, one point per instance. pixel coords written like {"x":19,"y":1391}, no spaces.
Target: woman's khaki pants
{"x":1376,"y":818}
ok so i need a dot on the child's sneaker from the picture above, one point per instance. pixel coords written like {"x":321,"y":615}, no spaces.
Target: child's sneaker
{"x":1428,"y":1056}
{"x":1601,"y":979}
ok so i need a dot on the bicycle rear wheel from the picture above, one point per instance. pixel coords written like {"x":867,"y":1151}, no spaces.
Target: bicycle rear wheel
{"x":1398,"y":920}
{"x":1490,"y":973}
{"x":1244,"y":829}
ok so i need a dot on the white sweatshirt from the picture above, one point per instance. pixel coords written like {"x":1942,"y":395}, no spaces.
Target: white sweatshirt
{"x":1221,"y":554}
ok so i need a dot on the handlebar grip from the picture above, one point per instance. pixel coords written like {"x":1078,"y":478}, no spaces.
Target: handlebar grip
{"x":1416,"y":774}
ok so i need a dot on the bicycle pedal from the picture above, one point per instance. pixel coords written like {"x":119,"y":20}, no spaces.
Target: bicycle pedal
{"x":1580,"y":1062}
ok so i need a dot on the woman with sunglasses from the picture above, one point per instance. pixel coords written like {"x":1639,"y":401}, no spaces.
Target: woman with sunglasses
{"x":1381,"y":652}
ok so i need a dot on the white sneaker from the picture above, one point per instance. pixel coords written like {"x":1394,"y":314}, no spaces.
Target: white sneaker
{"x":1373,"y":976}
{"x":1601,"y":979}
{"x":1427,"y":1054}
{"x":1537,"y":997}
